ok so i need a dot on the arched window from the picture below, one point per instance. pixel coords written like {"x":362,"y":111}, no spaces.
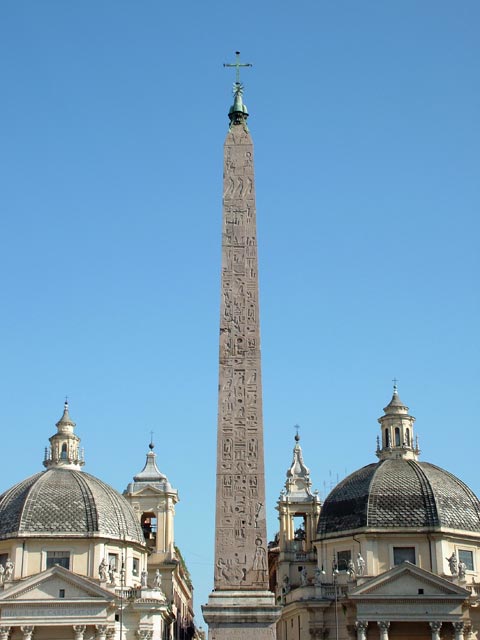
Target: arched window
{"x":397,"y":437}
{"x":149,"y":525}
{"x":387,"y":438}
{"x":407,"y":437}
{"x":63,"y":454}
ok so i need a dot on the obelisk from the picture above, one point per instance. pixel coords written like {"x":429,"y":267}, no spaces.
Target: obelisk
{"x":240,"y":607}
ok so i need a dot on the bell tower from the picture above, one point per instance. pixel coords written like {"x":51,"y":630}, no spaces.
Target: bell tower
{"x":298,"y":513}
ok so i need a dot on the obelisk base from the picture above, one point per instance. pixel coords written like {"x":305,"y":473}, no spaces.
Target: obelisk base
{"x":241,"y":615}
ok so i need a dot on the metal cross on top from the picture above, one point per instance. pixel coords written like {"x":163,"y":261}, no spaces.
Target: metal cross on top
{"x":237,"y":64}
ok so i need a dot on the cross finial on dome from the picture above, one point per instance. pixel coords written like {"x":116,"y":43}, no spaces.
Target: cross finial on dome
{"x":151,"y":446}
{"x":297,"y":435}
{"x":395,"y":386}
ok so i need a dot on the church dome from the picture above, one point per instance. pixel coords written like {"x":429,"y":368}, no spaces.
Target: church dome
{"x":65,"y":502}
{"x":399,"y":493}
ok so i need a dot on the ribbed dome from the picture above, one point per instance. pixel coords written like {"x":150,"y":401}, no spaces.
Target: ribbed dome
{"x":399,"y":494}
{"x":67,"y":503}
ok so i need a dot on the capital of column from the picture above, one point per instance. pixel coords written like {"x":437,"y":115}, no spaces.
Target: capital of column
{"x":4,"y":631}
{"x":27,"y":632}
{"x":79,"y":630}
{"x":145,"y":634}
{"x":458,"y":628}
{"x":383,"y":626}
{"x":435,"y":627}
{"x":101,"y":631}
{"x":361,"y":627}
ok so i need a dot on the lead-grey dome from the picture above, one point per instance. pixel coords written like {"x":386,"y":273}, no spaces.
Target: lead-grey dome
{"x":399,"y":493}
{"x":67,"y":503}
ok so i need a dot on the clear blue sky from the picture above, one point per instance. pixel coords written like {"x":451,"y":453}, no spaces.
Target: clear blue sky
{"x":365,"y":117}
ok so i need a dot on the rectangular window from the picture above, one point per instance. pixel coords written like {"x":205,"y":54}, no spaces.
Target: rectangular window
{"x":343,"y":558}
{"x":403,"y":554}
{"x":135,"y":566}
{"x":61,"y":593}
{"x":3,"y":558}
{"x":113,"y":561}
{"x":62,"y":558}
{"x":467,"y":557}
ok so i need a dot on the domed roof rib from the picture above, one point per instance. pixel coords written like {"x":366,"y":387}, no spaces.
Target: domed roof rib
{"x":91,"y":513}
{"x":431,"y":510}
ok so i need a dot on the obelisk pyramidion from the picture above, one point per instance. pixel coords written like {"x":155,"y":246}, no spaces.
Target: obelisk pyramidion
{"x":241,"y":606}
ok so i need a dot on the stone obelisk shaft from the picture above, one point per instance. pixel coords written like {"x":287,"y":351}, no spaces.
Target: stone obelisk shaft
{"x":240,"y":532}
{"x":240,"y":607}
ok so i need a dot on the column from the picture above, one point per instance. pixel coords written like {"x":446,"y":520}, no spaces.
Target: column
{"x":383,"y":628}
{"x":458,"y":628}
{"x":435,"y":627}
{"x":79,"y":630}
{"x":101,"y":631}
{"x":361,"y":626}
{"x":28,"y":632}
{"x":4,"y":631}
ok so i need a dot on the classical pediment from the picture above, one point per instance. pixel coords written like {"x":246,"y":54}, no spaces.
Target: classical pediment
{"x":149,"y":489}
{"x":407,"y":581}
{"x":56,"y":597}
{"x":55,"y":583}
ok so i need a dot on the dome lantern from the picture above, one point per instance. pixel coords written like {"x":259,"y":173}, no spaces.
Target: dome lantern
{"x":64,"y":450}
{"x":397,"y":436}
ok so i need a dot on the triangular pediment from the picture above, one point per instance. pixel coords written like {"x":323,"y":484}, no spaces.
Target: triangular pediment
{"x":408,"y":580}
{"x":149,"y":490}
{"x":50,"y":583}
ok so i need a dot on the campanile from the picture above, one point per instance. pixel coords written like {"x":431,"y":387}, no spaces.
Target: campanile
{"x":240,"y":607}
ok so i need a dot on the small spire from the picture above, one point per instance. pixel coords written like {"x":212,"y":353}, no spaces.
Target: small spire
{"x":298,"y":476}
{"x":65,"y":421}
{"x":151,"y":446}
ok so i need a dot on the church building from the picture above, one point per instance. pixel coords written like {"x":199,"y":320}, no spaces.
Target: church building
{"x":80,"y":561}
{"x":393,"y":553}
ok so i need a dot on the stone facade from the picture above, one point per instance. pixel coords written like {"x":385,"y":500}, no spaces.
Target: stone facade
{"x":377,"y":569}
{"x":74,"y":557}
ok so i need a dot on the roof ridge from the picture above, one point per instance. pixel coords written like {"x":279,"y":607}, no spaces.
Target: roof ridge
{"x":372,"y":496}
{"x":91,"y":510}
{"x":425,"y":484}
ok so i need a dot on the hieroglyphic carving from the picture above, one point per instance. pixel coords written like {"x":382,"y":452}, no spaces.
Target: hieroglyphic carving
{"x":240,"y":553}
